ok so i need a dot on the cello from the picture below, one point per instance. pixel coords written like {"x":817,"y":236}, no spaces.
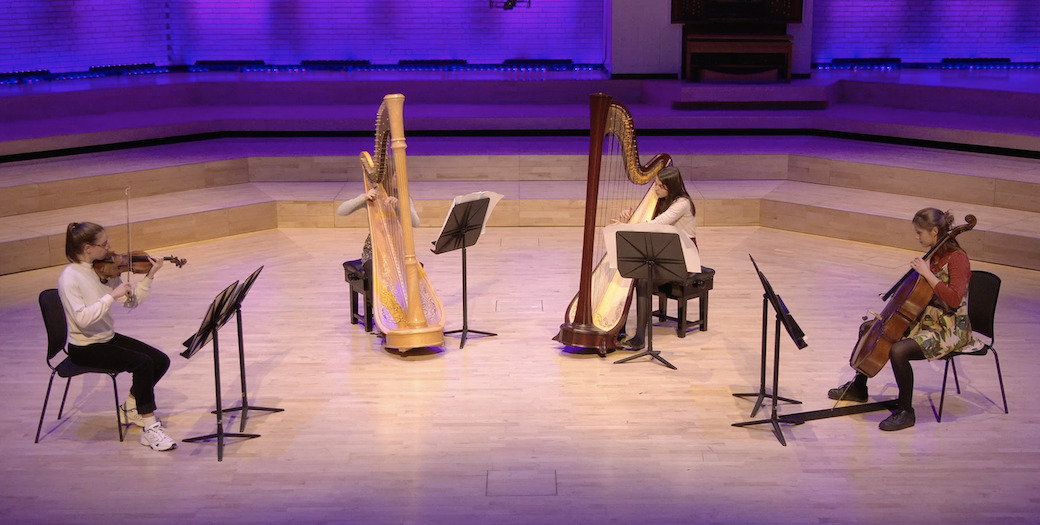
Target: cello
{"x":909,"y":297}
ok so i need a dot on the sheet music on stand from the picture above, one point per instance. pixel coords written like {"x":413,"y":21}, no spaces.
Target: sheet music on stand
{"x":233,"y":307}
{"x":466,"y":221}
{"x":210,"y":322}
{"x":227,"y":302}
{"x":782,"y":317}
{"x":691,"y":254}
{"x":650,"y":252}
{"x":493,"y":199}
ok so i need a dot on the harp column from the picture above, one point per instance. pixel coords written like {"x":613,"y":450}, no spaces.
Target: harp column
{"x":416,"y":330}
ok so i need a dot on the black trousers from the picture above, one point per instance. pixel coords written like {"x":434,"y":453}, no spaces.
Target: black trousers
{"x":644,"y":298}
{"x":145,"y":363}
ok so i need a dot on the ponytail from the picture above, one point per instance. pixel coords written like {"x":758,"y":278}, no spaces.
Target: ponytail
{"x":929,"y":218}
{"x":78,"y":235}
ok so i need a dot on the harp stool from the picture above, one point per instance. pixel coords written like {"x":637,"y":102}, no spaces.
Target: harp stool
{"x":357,"y":275}
{"x":695,"y":286}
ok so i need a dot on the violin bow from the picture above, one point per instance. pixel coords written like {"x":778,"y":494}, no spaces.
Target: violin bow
{"x":130,"y":263}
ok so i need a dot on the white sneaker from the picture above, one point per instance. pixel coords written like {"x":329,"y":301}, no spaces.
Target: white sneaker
{"x":154,"y":436}
{"x":130,"y":416}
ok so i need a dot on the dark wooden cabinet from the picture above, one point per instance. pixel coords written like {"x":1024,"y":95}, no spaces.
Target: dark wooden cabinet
{"x":737,"y":54}
{"x":736,"y":37}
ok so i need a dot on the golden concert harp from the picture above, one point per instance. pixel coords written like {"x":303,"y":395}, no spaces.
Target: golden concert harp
{"x":405,"y":306}
{"x":596,"y":315}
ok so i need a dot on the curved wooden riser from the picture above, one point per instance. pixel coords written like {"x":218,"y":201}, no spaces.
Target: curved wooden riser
{"x":407,"y":339}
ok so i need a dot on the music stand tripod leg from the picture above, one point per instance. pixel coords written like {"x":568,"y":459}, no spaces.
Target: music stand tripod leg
{"x":654,"y":354}
{"x":761,"y":395}
{"x":219,"y":435}
{"x":465,"y":309}
{"x":774,"y":419}
{"x":245,"y":408}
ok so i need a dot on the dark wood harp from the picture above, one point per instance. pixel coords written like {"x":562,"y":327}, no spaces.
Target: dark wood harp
{"x":597,"y":313}
{"x":405,"y":306}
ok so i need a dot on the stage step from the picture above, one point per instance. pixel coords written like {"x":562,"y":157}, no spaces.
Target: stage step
{"x":36,"y":240}
{"x":41,"y":120}
{"x":48,"y":184}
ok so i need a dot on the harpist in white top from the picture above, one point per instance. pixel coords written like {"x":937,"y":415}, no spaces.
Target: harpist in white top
{"x":674,"y":207}
{"x":681,"y":215}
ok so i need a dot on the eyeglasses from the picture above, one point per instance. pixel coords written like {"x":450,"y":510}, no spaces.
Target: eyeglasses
{"x":105,"y":245}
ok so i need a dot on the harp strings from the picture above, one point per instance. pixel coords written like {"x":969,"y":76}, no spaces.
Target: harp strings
{"x":617,"y":192}
{"x":393,"y":233}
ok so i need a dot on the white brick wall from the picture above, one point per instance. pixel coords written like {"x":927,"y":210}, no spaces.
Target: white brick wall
{"x":926,"y":30}
{"x":73,"y":35}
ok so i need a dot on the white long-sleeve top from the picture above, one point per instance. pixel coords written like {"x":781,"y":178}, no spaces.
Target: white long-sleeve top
{"x":88,"y":305}
{"x":680,"y":214}
{"x":355,"y":204}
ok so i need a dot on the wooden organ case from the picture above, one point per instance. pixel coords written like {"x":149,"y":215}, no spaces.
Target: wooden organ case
{"x":736,"y":38}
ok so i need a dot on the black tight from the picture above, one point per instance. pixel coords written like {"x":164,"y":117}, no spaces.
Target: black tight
{"x":900,"y":355}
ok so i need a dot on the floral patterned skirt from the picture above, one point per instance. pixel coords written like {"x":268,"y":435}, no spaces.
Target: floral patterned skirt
{"x":939,"y":332}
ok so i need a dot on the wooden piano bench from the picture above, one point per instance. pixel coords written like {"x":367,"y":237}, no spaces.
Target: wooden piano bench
{"x":357,"y":275}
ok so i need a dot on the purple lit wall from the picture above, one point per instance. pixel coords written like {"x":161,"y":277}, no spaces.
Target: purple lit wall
{"x":926,"y":30}
{"x":73,"y":35}
{"x":386,"y":31}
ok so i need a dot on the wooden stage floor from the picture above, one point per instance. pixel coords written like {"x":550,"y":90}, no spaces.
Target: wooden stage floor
{"x":511,"y":428}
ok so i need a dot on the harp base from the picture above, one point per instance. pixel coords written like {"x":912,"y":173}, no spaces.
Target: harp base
{"x":408,"y":338}
{"x":587,"y":336}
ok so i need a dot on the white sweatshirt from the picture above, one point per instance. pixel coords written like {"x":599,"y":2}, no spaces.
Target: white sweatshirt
{"x":88,"y":305}
{"x":679,"y":214}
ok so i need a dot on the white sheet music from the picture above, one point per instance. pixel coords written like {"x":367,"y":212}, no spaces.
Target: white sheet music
{"x":690,"y":253}
{"x":494,"y":198}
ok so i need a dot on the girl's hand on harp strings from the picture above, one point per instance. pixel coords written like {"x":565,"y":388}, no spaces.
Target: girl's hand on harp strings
{"x":624,"y":216}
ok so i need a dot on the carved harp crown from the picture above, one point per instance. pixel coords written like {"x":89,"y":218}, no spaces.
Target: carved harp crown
{"x":595,"y":316}
{"x":405,"y":306}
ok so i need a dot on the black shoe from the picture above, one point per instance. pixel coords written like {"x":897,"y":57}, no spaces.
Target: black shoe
{"x":851,"y":392}
{"x":632,"y":344}
{"x":899,"y":420}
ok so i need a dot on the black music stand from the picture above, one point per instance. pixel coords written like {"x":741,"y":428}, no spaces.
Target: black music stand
{"x":650,"y":256}
{"x":208,"y":332}
{"x":462,"y":229}
{"x":783,"y":317}
{"x":234,"y":306}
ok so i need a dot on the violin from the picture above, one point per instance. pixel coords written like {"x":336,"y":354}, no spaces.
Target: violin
{"x":137,"y":262}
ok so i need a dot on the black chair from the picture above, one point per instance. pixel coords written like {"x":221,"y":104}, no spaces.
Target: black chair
{"x":57,"y":336}
{"x":695,"y":286}
{"x":357,"y":275}
{"x":983,"y":289}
